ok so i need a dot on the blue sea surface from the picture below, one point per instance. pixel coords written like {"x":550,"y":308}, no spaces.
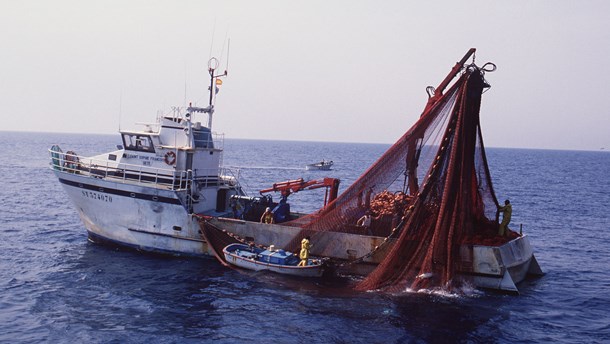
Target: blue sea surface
{"x":57,"y":287}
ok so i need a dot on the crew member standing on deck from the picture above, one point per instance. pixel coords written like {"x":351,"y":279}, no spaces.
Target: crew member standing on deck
{"x":267,"y":216}
{"x":507,"y":211}
{"x":304,"y":254}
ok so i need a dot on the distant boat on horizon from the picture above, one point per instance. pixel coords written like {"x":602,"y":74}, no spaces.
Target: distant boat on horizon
{"x":321,"y":166}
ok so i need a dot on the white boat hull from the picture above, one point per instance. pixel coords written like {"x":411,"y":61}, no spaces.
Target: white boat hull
{"x":140,"y":217}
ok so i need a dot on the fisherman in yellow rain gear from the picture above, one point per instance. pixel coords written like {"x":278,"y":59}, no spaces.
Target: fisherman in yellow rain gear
{"x":267,"y":216}
{"x":304,"y":254}
{"x":507,"y":211}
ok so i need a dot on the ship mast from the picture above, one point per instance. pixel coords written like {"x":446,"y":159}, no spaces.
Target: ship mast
{"x":215,"y":82}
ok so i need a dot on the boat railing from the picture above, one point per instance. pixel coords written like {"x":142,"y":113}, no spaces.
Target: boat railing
{"x":229,"y":177}
{"x":128,"y":173}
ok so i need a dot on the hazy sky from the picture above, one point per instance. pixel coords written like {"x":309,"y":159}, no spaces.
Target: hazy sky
{"x":347,"y":71}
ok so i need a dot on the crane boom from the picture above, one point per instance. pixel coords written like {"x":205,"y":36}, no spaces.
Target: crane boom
{"x":292,"y":186}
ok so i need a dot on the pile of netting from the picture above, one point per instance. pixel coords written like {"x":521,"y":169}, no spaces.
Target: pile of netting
{"x":431,"y":190}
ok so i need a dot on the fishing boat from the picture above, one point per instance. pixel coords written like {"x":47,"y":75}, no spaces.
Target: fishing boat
{"x":283,"y":262}
{"x":144,"y":194}
{"x":321,"y":166}
{"x":164,"y":190}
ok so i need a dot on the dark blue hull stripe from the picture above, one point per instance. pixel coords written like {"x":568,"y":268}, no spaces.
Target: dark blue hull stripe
{"x":142,"y":196}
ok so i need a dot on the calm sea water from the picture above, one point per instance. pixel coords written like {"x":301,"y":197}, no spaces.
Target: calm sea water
{"x":57,"y":287}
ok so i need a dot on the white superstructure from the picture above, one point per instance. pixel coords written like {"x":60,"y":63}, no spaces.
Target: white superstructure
{"x":146,"y":193}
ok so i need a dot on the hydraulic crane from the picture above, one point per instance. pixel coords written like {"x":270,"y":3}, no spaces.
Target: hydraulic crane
{"x":291,"y":186}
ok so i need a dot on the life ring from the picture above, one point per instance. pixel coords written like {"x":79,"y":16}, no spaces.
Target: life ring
{"x":170,"y":158}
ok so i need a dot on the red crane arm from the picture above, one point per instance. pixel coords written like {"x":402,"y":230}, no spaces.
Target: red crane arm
{"x":438,"y":93}
{"x":296,"y":185}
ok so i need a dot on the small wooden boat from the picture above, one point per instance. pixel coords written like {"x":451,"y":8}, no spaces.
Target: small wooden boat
{"x":322,"y":165}
{"x":280,"y":261}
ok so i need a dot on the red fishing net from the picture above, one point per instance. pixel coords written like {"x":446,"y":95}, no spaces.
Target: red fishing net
{"x":428,"y":194}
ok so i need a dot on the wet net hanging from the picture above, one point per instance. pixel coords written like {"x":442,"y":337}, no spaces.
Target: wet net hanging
{"x":428,"y":194}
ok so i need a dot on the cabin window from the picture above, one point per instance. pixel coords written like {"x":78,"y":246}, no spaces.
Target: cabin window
{"x":203,"y":138}
{"x":138,"y":142}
